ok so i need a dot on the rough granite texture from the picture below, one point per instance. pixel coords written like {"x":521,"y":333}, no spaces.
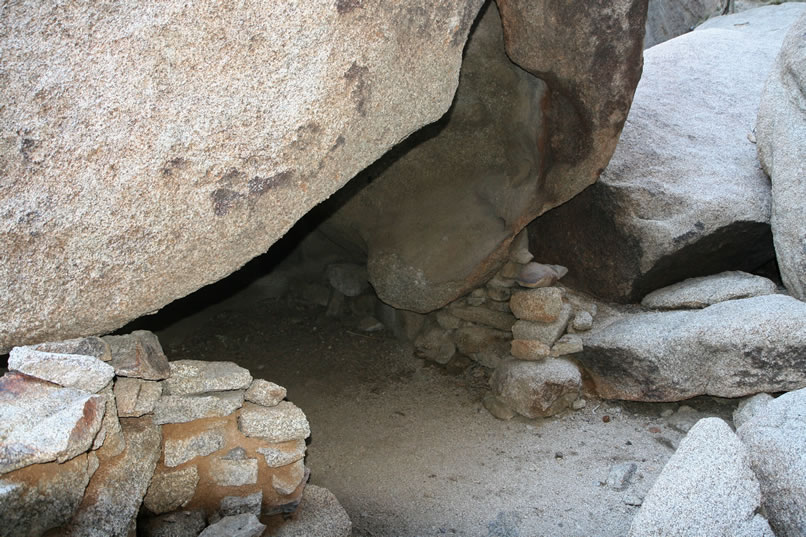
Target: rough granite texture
{"x":277,"y":456}
{"x":86,"y":373}
{"x":536,"y":389}
{"x":169,"y":491}
{"x":42,"y":422}
{"x":265,"y":393}
{"x":667,"y":19}
{"x":135,"y":397}
{"x":683,"y":195}
{"x":185,"y":408}
{"x":152,"y":150}
{"x":139,"y":355}
{"x":542,"y":305}
{"x":775,"y":438}
{"x":319,"y":515}
{"x":115,"y":492}
{"x":706,"y":488}
{"x":180,"y":450}
{"x":44,"y":496}
{"x":281,"y":423}
{"x":707,"y":290}
{"x":781,"y":134}
{"x":244,"y":525}
{"x":548,"y":333}
{"x":194,"y":377}
{"x":731,"y":349}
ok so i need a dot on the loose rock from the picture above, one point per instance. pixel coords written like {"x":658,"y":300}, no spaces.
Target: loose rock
{"x":548,"y":333}
{"x":281,"y":423}
{"x":136,"y":397}
{"x":283,"y":454}
{"x":170,"y":491}
{"x":319,"y":515}
{"x":263,"y":392}
{"x":86,"y":373}
{"x":184,"y":408}
{"x":707,"y":290}
{"x":706,"y":488}
{"x":529,"y":349}
{"x":537,"y":389}
{"x":749,"y":407}
{"x":542,"y":305}
{"x":193,"y":377}
{"x":42,"y":422}
{"x":139,"y":355}
{"x":245,"y":525}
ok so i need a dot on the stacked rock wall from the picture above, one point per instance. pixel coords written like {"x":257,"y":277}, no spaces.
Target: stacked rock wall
{"x":92,"y":429}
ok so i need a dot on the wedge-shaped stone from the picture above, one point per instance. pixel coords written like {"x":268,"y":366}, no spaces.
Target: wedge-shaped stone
{"x":139,"y":355}
{"x":86,"y":373}
{"x":41,"y":422}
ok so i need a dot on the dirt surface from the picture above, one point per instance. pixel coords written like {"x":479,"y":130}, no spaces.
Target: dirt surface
{"x":409,"y":449}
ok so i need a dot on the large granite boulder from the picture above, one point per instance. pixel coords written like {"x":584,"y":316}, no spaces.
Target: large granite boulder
{"x":438,"y":214}
{"x":706,"y":488}
{"x":775,"y":437}
{"x":731,"y":349}
{"x":151,"y":150}
{"x":683,"y":195}
{"x":781,"y":132}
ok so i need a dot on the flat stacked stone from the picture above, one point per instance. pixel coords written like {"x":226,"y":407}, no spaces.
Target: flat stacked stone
{"x":91,"y":429}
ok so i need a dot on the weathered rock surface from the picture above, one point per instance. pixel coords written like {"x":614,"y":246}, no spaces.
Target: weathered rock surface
{"x":235,"y":473}
{"x":138,"y":354}
{"x":730,"y":349}
{"x":667,"y":19}
{"x":43,"y":496}
{"x":707,"y":290}
{"x":135,"y":397}
{"x":143,"y":177}
{"x":319,"y":515}
{"x":706,"y":488}
{"x":439,"y":212}
{"x":283,"y":453}
{"x":169,"y":491}
{"x":239,"y":505}
{"x":198,"y":444}
{"x":536,"y":389}
{"x":110,"y":434}
{"x":548,"y":333}
{"x":41,"y":422}
{"x":281,"y":423}
{"x":185,"y":408}
{"x":348,"y":278}
{"x":775,"y":437}
{"x":781,"y":134}
{"x":194,"y":377}
{"x":683,"y":195}
{"x":245,"y":525}
{"x":116,"y":490}
{"x":749,"y":407}
{"x":542,"y":305}
{"x":265,"y":393}
{"x":86,"y":373}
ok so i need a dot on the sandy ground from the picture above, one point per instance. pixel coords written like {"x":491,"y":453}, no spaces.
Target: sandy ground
{"x":408,"y":448}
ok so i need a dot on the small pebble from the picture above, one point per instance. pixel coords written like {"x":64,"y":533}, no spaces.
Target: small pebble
{"x":666,"y":413}
{"x":654,"y":430}
{"x":579,"y":404}
{"x":606,"y":419}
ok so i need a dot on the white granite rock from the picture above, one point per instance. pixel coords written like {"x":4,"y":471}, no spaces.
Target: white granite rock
{"x":42,"y":422}
{"x":775,"y":438}
{"x":749,"y":407}
{"x":185,"y":408}
{"x":731,"y":349}
{"x":319,"y":515}
{"x":233,"y":473}
{"x":707,"y":290}
{"x":706,"y":488}
{"x":180,"y":450}
{"x":171,"y":490}
{"x":281,"y":423}
{"x":245,"y":525}
{"x":86,"y":373}
{"x":284,"y":453}
{"x":548,"y":333}
{"x":194,"y":377}
{"x":265,"y":393}
{"x":542,"y":305}
{"x":136,"y":397}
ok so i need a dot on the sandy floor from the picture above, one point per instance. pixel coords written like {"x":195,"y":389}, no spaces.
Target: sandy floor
{"x":408,"y":448}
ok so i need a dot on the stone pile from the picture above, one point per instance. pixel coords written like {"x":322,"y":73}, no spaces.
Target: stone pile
{"x":94,"y":431}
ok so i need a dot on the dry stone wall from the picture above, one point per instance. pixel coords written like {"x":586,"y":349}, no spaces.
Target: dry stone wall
{"x":92,"y":429}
